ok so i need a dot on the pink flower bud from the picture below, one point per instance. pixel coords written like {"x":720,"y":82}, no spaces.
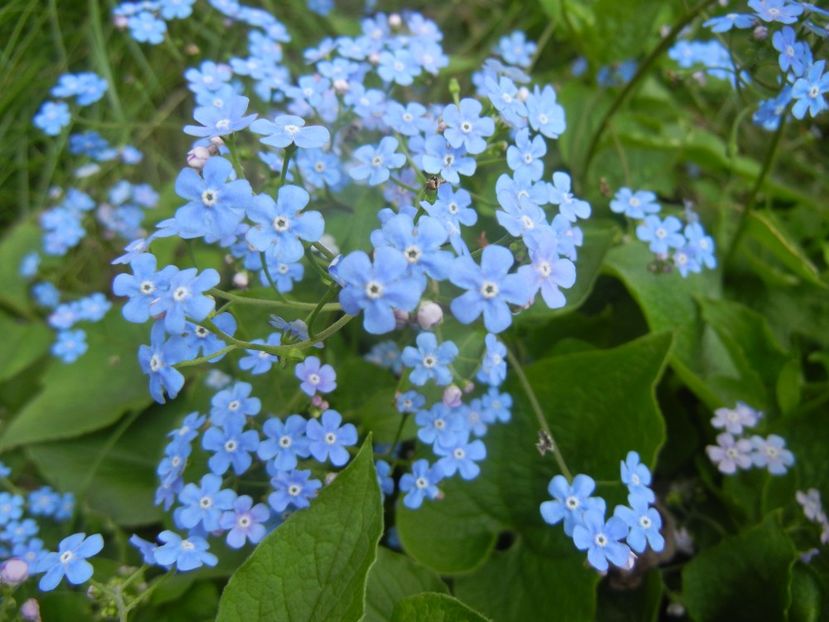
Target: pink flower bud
{"x":30,"y":610}
{"x":395,"y":21}
{"x":452,"y":396}
{"x":468,"y":387}
{"x":429,"y":314}
{"x":14,"y":571}
{"x":197,"y":157}
{"x":240,"y":279}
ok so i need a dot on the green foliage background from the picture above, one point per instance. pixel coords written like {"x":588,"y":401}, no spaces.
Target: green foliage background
{"x":637,"y":360}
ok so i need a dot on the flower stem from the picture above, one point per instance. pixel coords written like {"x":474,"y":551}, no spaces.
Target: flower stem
{"x":539,"y":414}
{"x":641,"y":72}
{"x":263,"y":302}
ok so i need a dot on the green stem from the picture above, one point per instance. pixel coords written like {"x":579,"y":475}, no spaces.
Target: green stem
{"x":290,"y":150}
{"x":539,"y":414}
{"x":126,"y":422}
{"x":641,"y":72}
{"x":279,"y":304}
{"x":206,"y":358}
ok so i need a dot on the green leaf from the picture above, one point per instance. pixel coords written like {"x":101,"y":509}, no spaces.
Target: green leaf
{"x":763,"y":229}
{"x":20,"y":240}
{"x":23,"y":344}
{"x":120,"y":478}
{"x":756,"y":565}
{"x":624,"y":30}
{"x":430,"y":607}
{"x":89,"y":394}
{"x":595,"y":425}
{"x":523,"y":584}
{"x":755,"y":350}
{"x":667,"y":302}
{"x":315,"y":565}
{"x":392,"y":578}
{"x":637,"y":599}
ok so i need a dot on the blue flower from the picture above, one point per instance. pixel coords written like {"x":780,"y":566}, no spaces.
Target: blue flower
{"x":176,"y":9}
{"x":465,"y":127}
{"x":215,"y":205}
{"x":571,"y":501}
{"x":288,"y":129}
{"x":232,"y":445}
{"x":461,"y":456}
{"x":440,"y":425}
{"x":328,"y":440}
{"x":794,"y":55}
{"x":724,"y":23}
{"x":808,"y":91}
{"x":430,"y":361}
{"x":147,"y":28}
{"x":452,"y":209}
{"x":782,"y":11}
{"x":11,"y":506}
{"x":661,"y":234}
{"x":504,"y":97}
{"x":701,"y":244}
{"x":420,"y":245}
{"x":409,"y":402}
{"x":548,"y":271}
{"x":526,"y":154}
{"x":70,"y":345}
{"x":16,"y":532}
{"x":636,"y":477}
{"x":493,"y":370}
{"x":42,"y":502}
{"x":184,"y":554}
{"x":516,"y":49}
{"x":439,"y":158}
{"x":384,"y":477}
{"x":52,"y":117}
{"x":203,"y":504}
{"x":233,"y":403}
{"x":377,"y":288}
{"x":201,"y":342}
{"x":221,"y":121}
{"x":86,"y":87}
{"x":185,"y":298}
{"x":315,"y":377}
{"x":69,"y":561}
{"x":634,"y":204}
{"x":292,"y":488}
{"x":409,"y":120}
{"x":374,"y":162}
{"x":244,"y":522}
{"x":386,"y":354}
{"x":420,"y":483}
{"x":157,"y":360}
{"x":489,"y":288}
{"x":569,"y":206}
{"x":46,"y":294}
{"x":602,"y":540}
{"x":643,"y":523}
{"x":399,"y":67}
{"x":280,"y":226}
{"x":544,"y":113}
{"x":284,"y":442}
{"x":258,"y":361}
{"x":209,"y":76}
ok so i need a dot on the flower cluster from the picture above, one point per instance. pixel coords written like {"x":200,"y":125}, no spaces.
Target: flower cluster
{"x":686,"y":247}
{"x":293,"y":450}
{"x":794,"y":29}
{"x":147,"y":19}
{"x":735,"y":450}
{"x":629,"y":531}
{"x":813,"y":510}
{"x":85,"y":88}
{"x":21,"y":550}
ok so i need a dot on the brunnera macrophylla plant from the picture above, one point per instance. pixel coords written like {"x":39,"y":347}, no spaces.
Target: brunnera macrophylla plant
{"x":282,"y":135}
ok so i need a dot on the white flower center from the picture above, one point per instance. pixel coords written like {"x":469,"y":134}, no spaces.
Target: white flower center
{"x":243,"y":521}
{"x":285,"y":441}
{"x":466,"y":127}
{"x":294,"y":490}
{"x":600,"y":540}
{"x":209,"y":197}
{"x":281,"y":224}
{"x":374,"y":290}
{"x":205,"y":502}
{"x":421,"y":483}
{"x":814,"y":92}
{"x":429,"y":361}
{"x":223,"y":124}
{"x":377,"y":161}
{"x":186,"y":545}
{"x":156,"y":363}
{"x":544,"y":268}
{"x":66,"y":557}
{"x":543,"y":119}
{"x":661,"y":233}
{"x":459,"y":453}
{"x":572,"y":502}
{"x":330,"y":438}
{"x":291,"y":129}
{"x":181,"y":293}
{"x":230,"y":446}
{"x":412,"y":254}
{"x":439,"y":424}
{"x":489,"y":289}
{"x":645,"y":522}
{"x":147,"y":287}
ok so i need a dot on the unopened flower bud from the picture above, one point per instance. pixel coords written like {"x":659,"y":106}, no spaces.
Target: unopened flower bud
{"x":14,"y":571}
{"x":191,"y":49}
{"x":217,"y":141}
{"x":341,"y":85}
{"x":401,"y":318}
{"x":395,"y":21}
{"x":30,"y":610}
{"x":523,"y":94}
{"x":374,"y":58}
{"x":452,"y":396}
{"x":761,"y":32}
{"x":197,"y":157}
{"x":330,"y":477}
{"x":468,"y":387}
{"x":120,"y":22}
{"x":318,"y":402}
{"x":429,"y":314}
{"x":241,"y":279}
{"x":327,"y":241}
